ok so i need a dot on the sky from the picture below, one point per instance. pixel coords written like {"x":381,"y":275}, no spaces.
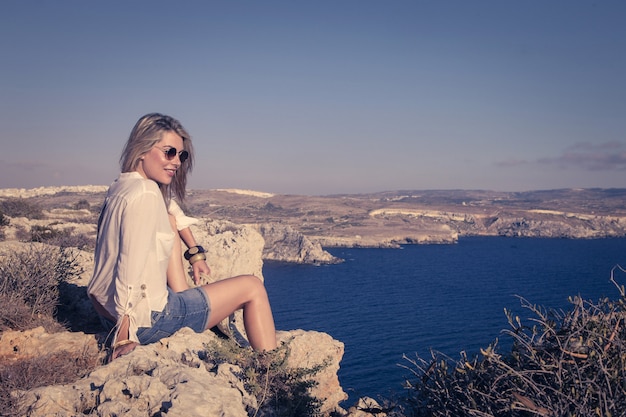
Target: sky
{"x":320,"y":97}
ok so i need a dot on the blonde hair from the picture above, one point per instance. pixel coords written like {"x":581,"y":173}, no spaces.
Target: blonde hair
{"x":148,"y":131}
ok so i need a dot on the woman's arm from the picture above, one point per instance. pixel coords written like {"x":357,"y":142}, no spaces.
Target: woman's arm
{"x":182,"y":226}
{"x":198,"y":267}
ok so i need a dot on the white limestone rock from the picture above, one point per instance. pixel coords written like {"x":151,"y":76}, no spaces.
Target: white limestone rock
{"x":170,"y":377}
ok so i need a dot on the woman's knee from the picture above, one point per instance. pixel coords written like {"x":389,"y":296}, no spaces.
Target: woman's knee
{"x":254,"y":284}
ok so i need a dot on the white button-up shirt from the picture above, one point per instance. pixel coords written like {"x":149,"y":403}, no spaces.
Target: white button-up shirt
{"x":133,"y":248}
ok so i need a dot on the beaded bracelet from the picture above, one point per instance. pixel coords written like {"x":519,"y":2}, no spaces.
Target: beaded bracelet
{"x":194,"y":250}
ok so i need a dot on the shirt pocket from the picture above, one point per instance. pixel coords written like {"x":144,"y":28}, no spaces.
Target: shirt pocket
{"x":165,"y":243}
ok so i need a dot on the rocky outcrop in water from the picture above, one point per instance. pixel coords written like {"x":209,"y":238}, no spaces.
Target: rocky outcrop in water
{"x":283,"y":243}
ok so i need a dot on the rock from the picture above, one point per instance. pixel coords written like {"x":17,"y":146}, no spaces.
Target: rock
{"x":552,"y":224}
{"x":308,"y":348}
{"x":283,"y":243}
{"x":232,"y":249}
{"x":170,"y":377}
{"x":366,"y":407}
{"x":17,"y":345}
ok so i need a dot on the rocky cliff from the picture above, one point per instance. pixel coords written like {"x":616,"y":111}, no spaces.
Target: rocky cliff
{"x":166,"y":378}
{"x":170,"y":377}
{"x":284,"y":244}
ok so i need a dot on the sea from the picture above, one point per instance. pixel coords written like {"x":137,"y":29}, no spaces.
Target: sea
{"x":391,"y":305}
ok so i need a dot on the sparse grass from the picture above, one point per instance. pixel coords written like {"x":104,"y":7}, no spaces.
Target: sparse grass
{"x":19,"y":207}
{"x":561,"y":364}
{"x":54,"y":368}
{"x":64,"y":238}
{"x":279,"y":390}
{"x":43,"y":233}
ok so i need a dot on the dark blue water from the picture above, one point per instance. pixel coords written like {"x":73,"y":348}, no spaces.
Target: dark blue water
{"x":383,"y":303}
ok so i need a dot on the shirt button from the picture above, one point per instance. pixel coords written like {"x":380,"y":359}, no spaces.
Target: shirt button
{"x":130,"y":305}
{"x":143,"y":286}
{"x":143,"y":295}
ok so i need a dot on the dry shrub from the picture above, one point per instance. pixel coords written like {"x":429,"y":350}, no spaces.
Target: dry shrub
{"x":4,"y":220}
{"x":15,"y":314}
{"x":65,"y":238}
{"x":29,"y":296}
{"x":29,"y":284}
{"x":82,"y":204}
{"x":19,"y":207}
{"x":561,"y":364}
{"x":55,"y":368}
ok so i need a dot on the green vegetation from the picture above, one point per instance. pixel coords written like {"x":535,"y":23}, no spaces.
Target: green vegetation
{"x":562,"y":364}
{"x":279,"y":390}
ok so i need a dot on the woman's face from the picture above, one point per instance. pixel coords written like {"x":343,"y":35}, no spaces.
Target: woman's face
{"x":155,"y":165}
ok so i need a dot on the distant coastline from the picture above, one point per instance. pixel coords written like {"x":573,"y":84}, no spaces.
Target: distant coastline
{"x":42,"y":191}
{"x":393,"y":218}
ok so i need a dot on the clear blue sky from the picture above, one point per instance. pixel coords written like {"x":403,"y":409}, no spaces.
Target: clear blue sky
{"x":320,"y":97}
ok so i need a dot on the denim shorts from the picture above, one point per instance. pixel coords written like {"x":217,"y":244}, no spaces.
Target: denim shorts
{"x":189,"y":308}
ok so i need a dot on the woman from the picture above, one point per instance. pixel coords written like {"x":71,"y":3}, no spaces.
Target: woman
{"x":139,"y":286}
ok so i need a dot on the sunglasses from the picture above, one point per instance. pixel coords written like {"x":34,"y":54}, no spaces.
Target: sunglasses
{"x":170,"y":153}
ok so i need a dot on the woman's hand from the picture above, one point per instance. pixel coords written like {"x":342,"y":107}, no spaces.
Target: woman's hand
{"x":124,"y":345}
{"x":200,"y":267}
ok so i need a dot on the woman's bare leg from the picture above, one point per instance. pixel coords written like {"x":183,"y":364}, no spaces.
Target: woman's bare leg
{"x":247,"y":292}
